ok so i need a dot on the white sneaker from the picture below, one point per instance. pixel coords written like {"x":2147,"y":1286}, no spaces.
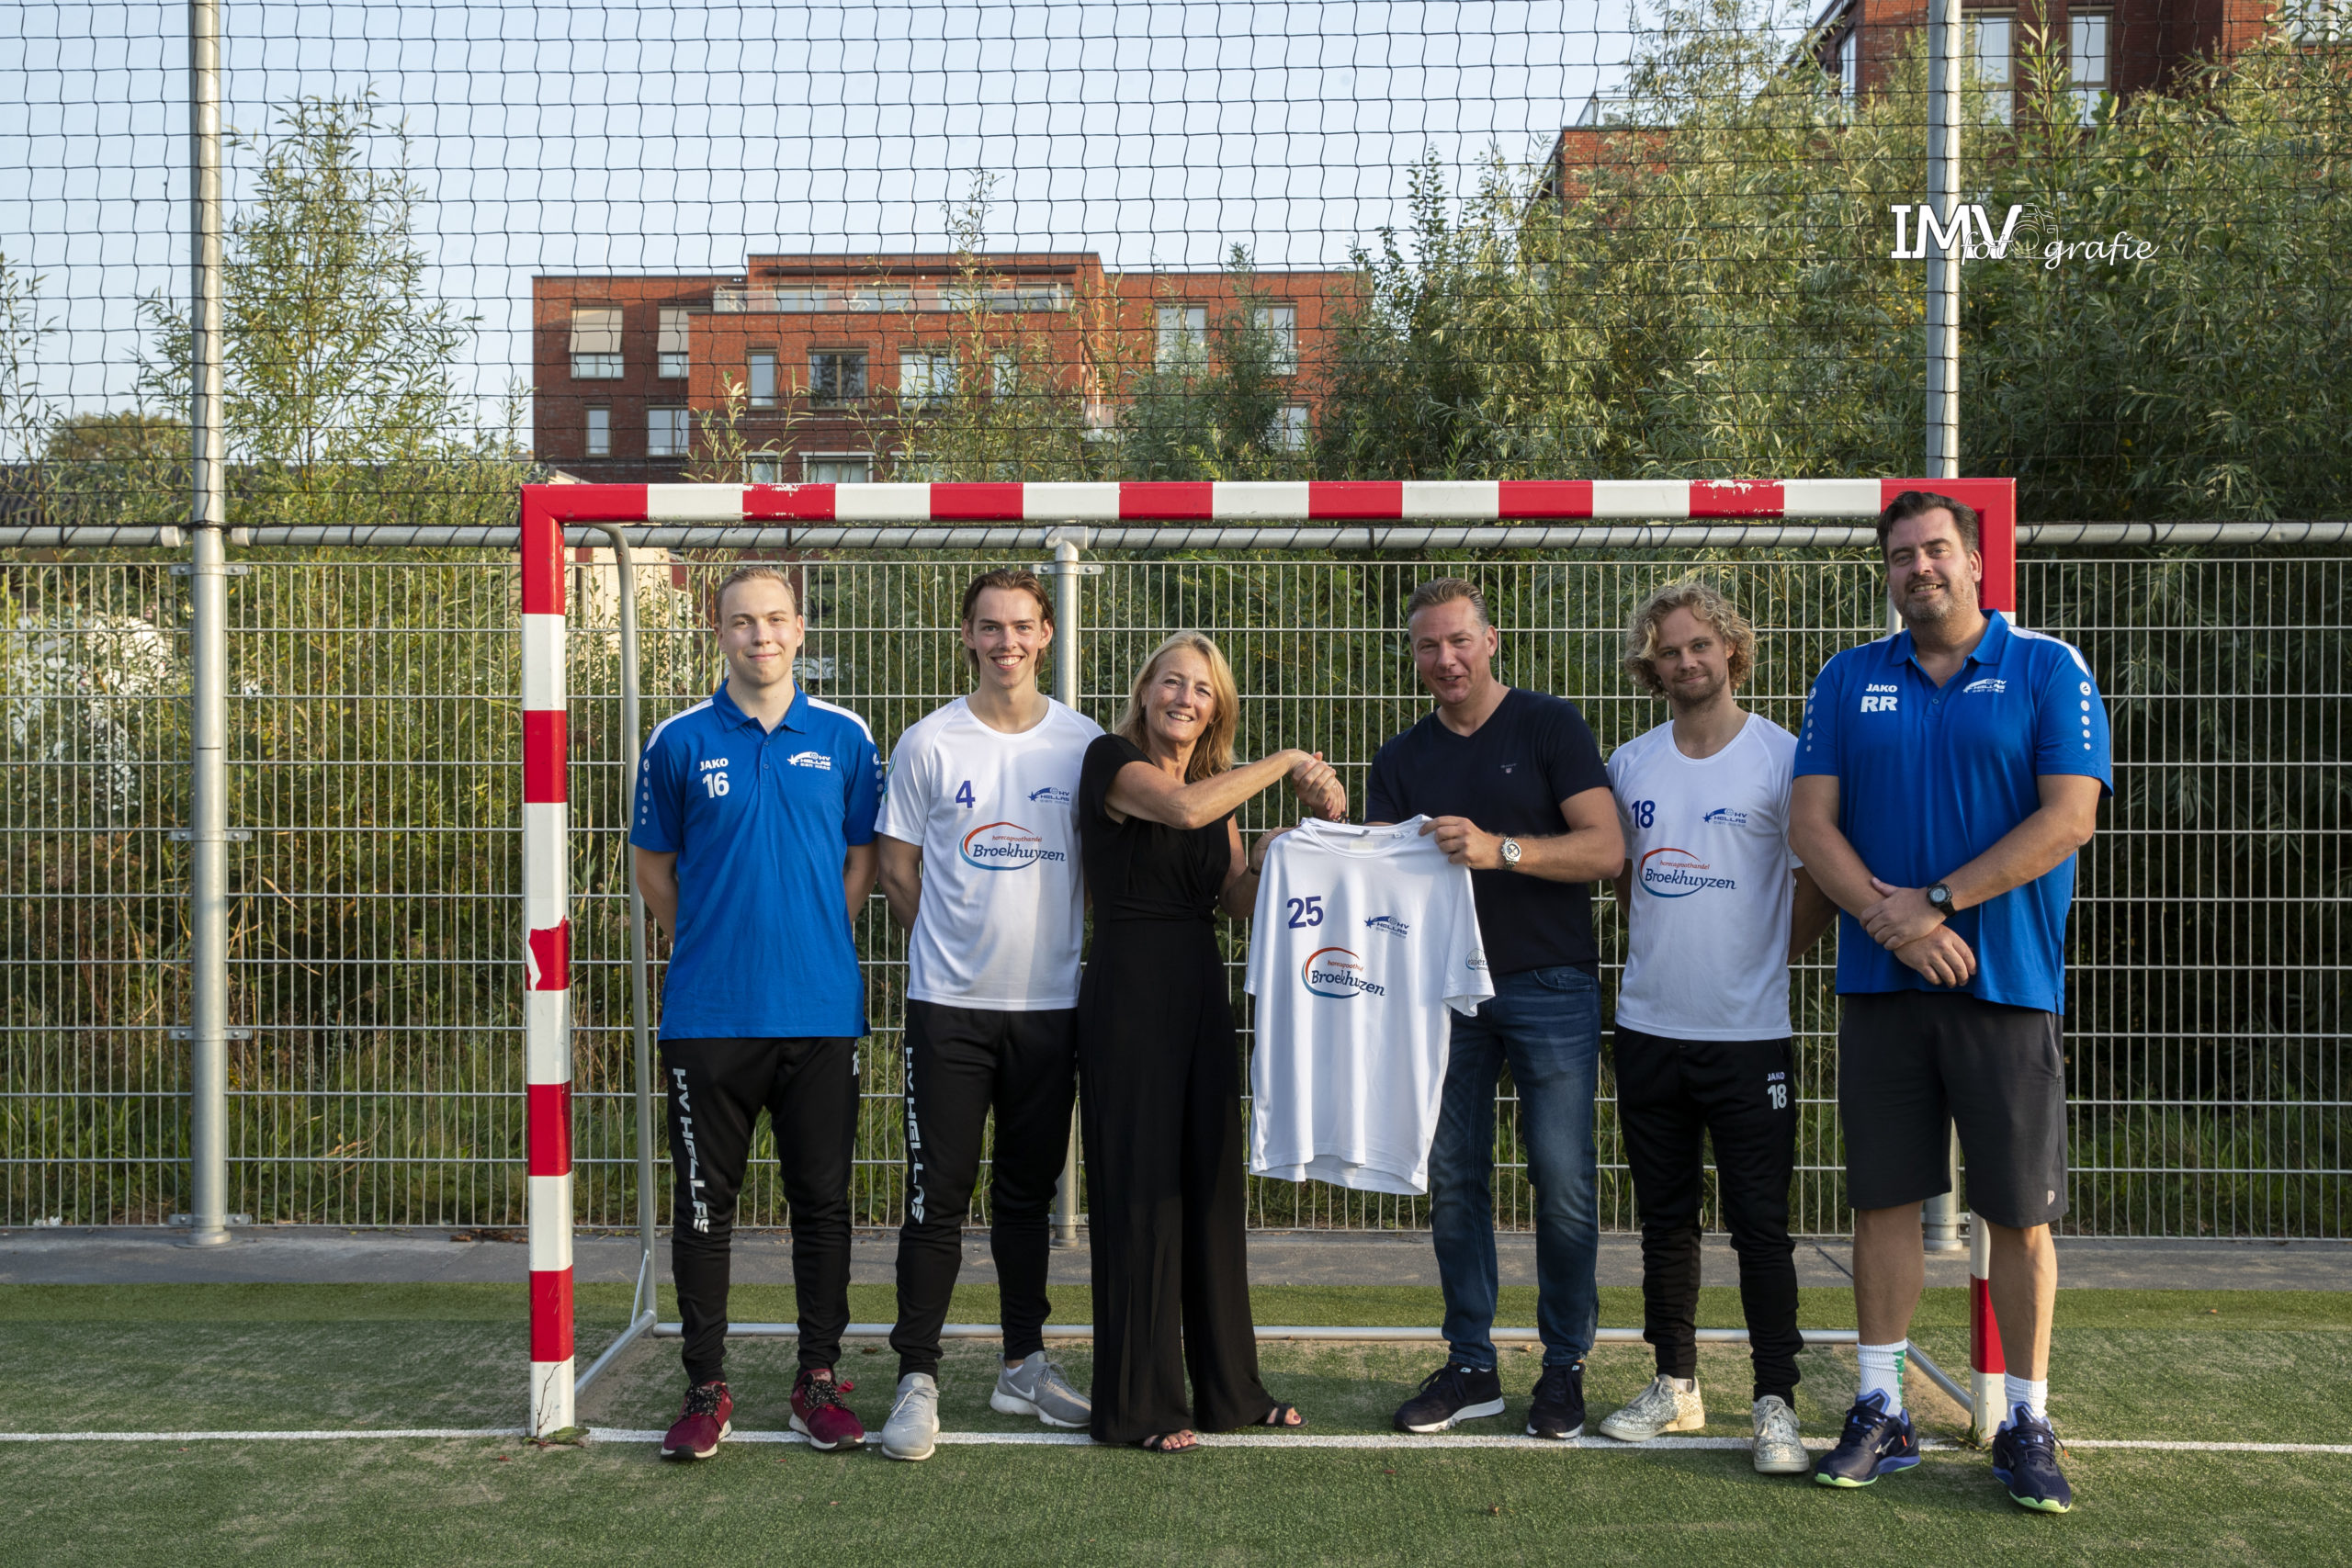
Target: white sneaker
{"x":1779,"y":1450}
{"x":1661,"y":1407}
{"x":1036,"y":1387}
{"x":913,"y":1430}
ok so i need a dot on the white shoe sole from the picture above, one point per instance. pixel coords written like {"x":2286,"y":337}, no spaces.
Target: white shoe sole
{"x":705,"y":1453}
{"x":888,"y":1452}
{"x":1005,"y":1403}
{"x":1467,"y":1413}
{"x":1575,"y":1431}
{"x":802,"y":1428}
{"x":1628,"y":1434}
{"x":1796,"y":1466}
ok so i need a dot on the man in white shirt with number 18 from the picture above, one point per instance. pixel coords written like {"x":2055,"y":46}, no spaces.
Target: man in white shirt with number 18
{"x":979,"y":863}
{"x":1716,"y":908}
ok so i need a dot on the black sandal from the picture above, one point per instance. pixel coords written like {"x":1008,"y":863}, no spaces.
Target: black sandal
{"x":1279,"y":1418}
{"x":1165,"y":1443}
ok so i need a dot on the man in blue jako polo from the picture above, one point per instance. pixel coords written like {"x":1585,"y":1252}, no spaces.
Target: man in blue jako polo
{"x":1944,"y":779}
{"x":753,"y":846}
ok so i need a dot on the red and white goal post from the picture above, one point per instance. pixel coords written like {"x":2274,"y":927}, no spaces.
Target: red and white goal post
{"x":1399,"y":515}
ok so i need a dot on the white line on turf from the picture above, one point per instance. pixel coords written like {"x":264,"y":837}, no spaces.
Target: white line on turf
{"x":1076,"y":1440}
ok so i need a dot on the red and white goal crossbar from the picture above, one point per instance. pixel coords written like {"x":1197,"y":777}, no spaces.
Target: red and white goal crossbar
{"x":547,"y":509}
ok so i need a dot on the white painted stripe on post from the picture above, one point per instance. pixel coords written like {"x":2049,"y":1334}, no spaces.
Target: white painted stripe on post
{"x":882,"y":503}
{"x":543,"y":664}
{"x":552,"y":1395}
{"x":693,"y":503}
{"x":1234,"y":501}
{"x":1829,"y":497}
{"x":1641,"y":498}
{"x":547,"y":1201}
{"x":547,"y":1049}
{"x":1069,"y":502}
{"x":546,"y":884}
{"x":1452,"y":500}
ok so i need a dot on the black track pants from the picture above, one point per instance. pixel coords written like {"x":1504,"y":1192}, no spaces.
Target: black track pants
{"x":715,"y":1089}
{"x":1742,"y":1094}
{"x":961,"y":1063}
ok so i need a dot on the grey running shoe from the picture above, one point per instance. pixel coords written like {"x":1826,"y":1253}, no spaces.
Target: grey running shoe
{"x":1661,"y":1407}
{"x":1779,"y":1450}
{"x":913,"y":1430}
{"x":1036,"y":1387}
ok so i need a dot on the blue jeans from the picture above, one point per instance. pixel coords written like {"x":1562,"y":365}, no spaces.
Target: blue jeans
{"x":1545,"y":1023}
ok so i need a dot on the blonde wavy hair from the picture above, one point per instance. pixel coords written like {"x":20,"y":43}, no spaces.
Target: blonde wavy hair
{"x":1214,"y":753}
{"x":1711,"y":607}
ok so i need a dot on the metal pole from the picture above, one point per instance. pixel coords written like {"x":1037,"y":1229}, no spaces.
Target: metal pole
{"x":1944,"y":41}
{"x":208,"y":663}
{"x":1065,"y":542}
{"x":1941,"y":1220}
{"x":640,"y":1305}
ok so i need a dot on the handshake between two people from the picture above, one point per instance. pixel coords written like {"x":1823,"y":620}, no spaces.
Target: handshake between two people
{"x":1319,"y":791}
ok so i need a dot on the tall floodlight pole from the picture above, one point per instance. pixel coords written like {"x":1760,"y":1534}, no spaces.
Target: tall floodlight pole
{"x":1945,"y":241}
{"x":209,"y":803}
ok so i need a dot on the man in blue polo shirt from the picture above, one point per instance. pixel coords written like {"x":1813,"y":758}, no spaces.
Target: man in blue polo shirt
{"x":753,"y":847}
{"x":1944,"y":779}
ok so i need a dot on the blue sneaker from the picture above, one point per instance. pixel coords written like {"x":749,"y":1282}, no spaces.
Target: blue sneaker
{"x":1874,"y":1444}
{"x":2025,"y":1459}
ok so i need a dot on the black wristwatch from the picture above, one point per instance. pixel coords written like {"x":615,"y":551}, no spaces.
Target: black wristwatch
{"x":1939,"y":900}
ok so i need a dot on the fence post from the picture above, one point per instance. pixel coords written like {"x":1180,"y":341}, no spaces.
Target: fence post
{"x":1944,"y":42}
{"x":1066,"y":541}
{"x":207,"y":833}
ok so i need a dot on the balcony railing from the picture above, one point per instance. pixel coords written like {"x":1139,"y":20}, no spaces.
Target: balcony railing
{"x":891,"y":299}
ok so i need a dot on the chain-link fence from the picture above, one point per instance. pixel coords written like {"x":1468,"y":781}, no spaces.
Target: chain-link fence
{"x":375,"y":733}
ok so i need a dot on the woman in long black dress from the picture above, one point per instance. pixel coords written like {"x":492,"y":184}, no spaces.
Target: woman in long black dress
{"x":1158,"y":1064}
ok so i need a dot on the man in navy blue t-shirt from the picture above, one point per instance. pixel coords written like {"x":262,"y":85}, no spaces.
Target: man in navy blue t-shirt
{"x":753,"y":846}
{"x":1515,"y":790}
{"x":1945,"y":778}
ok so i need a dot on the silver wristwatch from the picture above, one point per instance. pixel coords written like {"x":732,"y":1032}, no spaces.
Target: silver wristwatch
{"x":1511,"y":854}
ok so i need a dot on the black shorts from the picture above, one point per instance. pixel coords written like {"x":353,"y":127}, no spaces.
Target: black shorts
{"x":1908,"y":1060}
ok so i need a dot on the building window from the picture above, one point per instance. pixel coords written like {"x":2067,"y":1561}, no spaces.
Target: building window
{"x":837,"y":375}
{"x":1183,"y":334}
{"x":764,"y":469}
{"x":837,"y":467}
{"x":672,"y":350}
{"x":600,"y":432}
{"x":758,"y":368}
{"x":2319,"y":21}
{"x":2087,"y":61}
{"x":926,"y":376}
{"x":1004,"y":374}
{"x":665,"y":433}
{"x":595,"y":343}
{"x":1992,"y":39}
{"x":1845,"y":62}
{"x":1280,"y":323}
{"x":1290,"y":431}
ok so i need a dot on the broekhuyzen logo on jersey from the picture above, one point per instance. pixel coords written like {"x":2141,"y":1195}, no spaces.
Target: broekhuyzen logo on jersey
{"x":1677,"y":873}
{"x":1336,"y":973}
{"x":1006,"y":846}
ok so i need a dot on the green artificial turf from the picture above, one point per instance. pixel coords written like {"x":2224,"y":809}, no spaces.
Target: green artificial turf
{"x":2264,"y":1366}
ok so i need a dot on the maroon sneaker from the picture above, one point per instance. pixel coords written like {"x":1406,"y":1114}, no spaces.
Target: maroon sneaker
{"x":701,"y":1423}
{"x":818,"y":1414}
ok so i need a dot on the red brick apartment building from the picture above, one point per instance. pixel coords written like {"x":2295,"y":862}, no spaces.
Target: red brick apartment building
{"x":832,"y":348}
{"x":2120,"y":46}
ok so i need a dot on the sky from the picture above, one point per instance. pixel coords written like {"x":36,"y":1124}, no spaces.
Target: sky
{"x":589,"y":137}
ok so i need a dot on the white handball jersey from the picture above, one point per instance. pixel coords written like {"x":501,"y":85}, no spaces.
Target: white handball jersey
{"x":1364,"y":938}
{"x":1002,"y":910}
{"x":1707,"y":954}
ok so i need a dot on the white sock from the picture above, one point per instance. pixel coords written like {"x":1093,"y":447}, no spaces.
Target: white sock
{"x":2034,"y":1397}
{"x":1882,"y":1372}
{"x":1687,"y":1385}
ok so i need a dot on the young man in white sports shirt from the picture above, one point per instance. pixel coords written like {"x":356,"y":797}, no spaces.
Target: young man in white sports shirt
{"x":979,"y":863}
{"x":1717,"y":909}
